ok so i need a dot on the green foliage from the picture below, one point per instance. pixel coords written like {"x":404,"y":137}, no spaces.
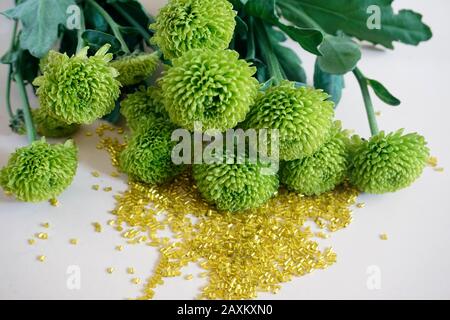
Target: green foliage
{"x":41,"y":20}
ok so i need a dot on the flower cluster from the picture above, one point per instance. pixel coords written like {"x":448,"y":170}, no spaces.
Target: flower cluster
{"x":302,"y":115}
{"x":183,"y":25}
{"x":147,"y":157}
{"x":211,"y":86}
{"x":388,"y":162}
{"x":78,"y":89}
{"x":143,"y":106}
{"x":236,"y":186}
{"x":135,"y":68}
{"x":40,"y":171}
{"x":323,"y":170}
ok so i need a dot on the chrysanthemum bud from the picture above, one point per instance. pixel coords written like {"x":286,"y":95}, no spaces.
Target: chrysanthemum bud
{"x":214,"y":87}
{"x":40,"y":171}
{"x":388,"y":162}
{"x":183,"y":25}
{"x":302,"y":115}
{"x":142,"y":106}
{"x":147,"y":158}
{"x":135,"y":68}
{"x":79,"y":89}
{"x":323,"y":170}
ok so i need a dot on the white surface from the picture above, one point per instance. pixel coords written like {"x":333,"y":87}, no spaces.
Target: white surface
{"x":414,"y":262}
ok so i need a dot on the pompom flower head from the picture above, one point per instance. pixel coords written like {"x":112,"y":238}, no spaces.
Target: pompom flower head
{"x":79,"y":89}
{"x":183,"y":25}
{"x":302,"y":115}
{"x":135,"y":68}
{"x":51,"y":127}
{"x":143,"y":106}
{"x":147,"y":158}
{"x":236,"y":186}
{"x":40,"y":171}
{"x":211,"y":86}
{"x":388,"y":162}
{"x":323,"y":170}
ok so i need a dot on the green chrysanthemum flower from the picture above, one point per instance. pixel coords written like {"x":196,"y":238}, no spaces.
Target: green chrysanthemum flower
{"x":147,"y":158}
{"x":135,"y":68}
{"x":40,"y":171}
{"x":183,"y":25}
{"x":143,"y":106}
{"x":79,"y":89}
{"x":302,"y":115}
{"x":387,"y":163}
{"x":323,"y":170}
{"x":51,"y":127}
{"x":235,"y":187}
{"x":210,"y":86}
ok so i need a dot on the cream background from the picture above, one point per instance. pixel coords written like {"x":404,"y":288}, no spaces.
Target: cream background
{"x":414,"y":262}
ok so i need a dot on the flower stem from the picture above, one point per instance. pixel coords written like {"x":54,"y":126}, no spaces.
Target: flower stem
{"x":144,"y":33}
{"x":31,"y":131}
{"x":362,"y":80}
{"x":114,"y":26}
{"x":267,"y":51}
{"x":10,"y":73}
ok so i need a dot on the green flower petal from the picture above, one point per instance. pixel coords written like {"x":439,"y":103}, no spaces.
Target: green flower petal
{"x":135,"y":68}
{"x":40,"y":171}
{"x":78,"y":89}
{"x":147,"y":158}
{"x":302,"y":115}
{"x":322,"y":171}
{"x":183,"y":25}
{"x":388,"y":162}
{"x":145,"y":105}
{"x":211,"y":86}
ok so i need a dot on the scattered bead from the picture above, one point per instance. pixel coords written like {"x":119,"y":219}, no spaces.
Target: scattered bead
{"x":110,"y":270}
{"x":97,"y":227}
{"x":54,"y":202}
{"x":189,"y":277}
{"x":360,"y":205}
{"x":41,"y":258}
{"x":383,"y":236}
{"x":95,"y":174}
{"x":73,"y":241}
{"x":107,"y":189}
{"x":130,"y":270}
{"x":242,"y":253}
{"x":42,"y":236}
{"x":378,"y":113}
{"x":119,"y":248}
{"x":115,"y":174}
{"x":88,"y":134}
{"x":31,"y":242}
{"x":45,"y":225}
{"x":95,"y":187}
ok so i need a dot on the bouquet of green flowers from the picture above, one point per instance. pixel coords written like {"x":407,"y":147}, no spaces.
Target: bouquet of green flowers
{"x":224,"y":65}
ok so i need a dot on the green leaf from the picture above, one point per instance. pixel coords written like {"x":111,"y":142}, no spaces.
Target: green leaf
{"x":40,"y":20}
{"x":96,"y":39}
{"x":94,"y":20}
{"x":289,"y":61}
{"x":339,"y":54}
{"x":332,"y":84}
{"x":308,"y":38}
{"x":383,"y":93}
{"x":352,"y":19}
